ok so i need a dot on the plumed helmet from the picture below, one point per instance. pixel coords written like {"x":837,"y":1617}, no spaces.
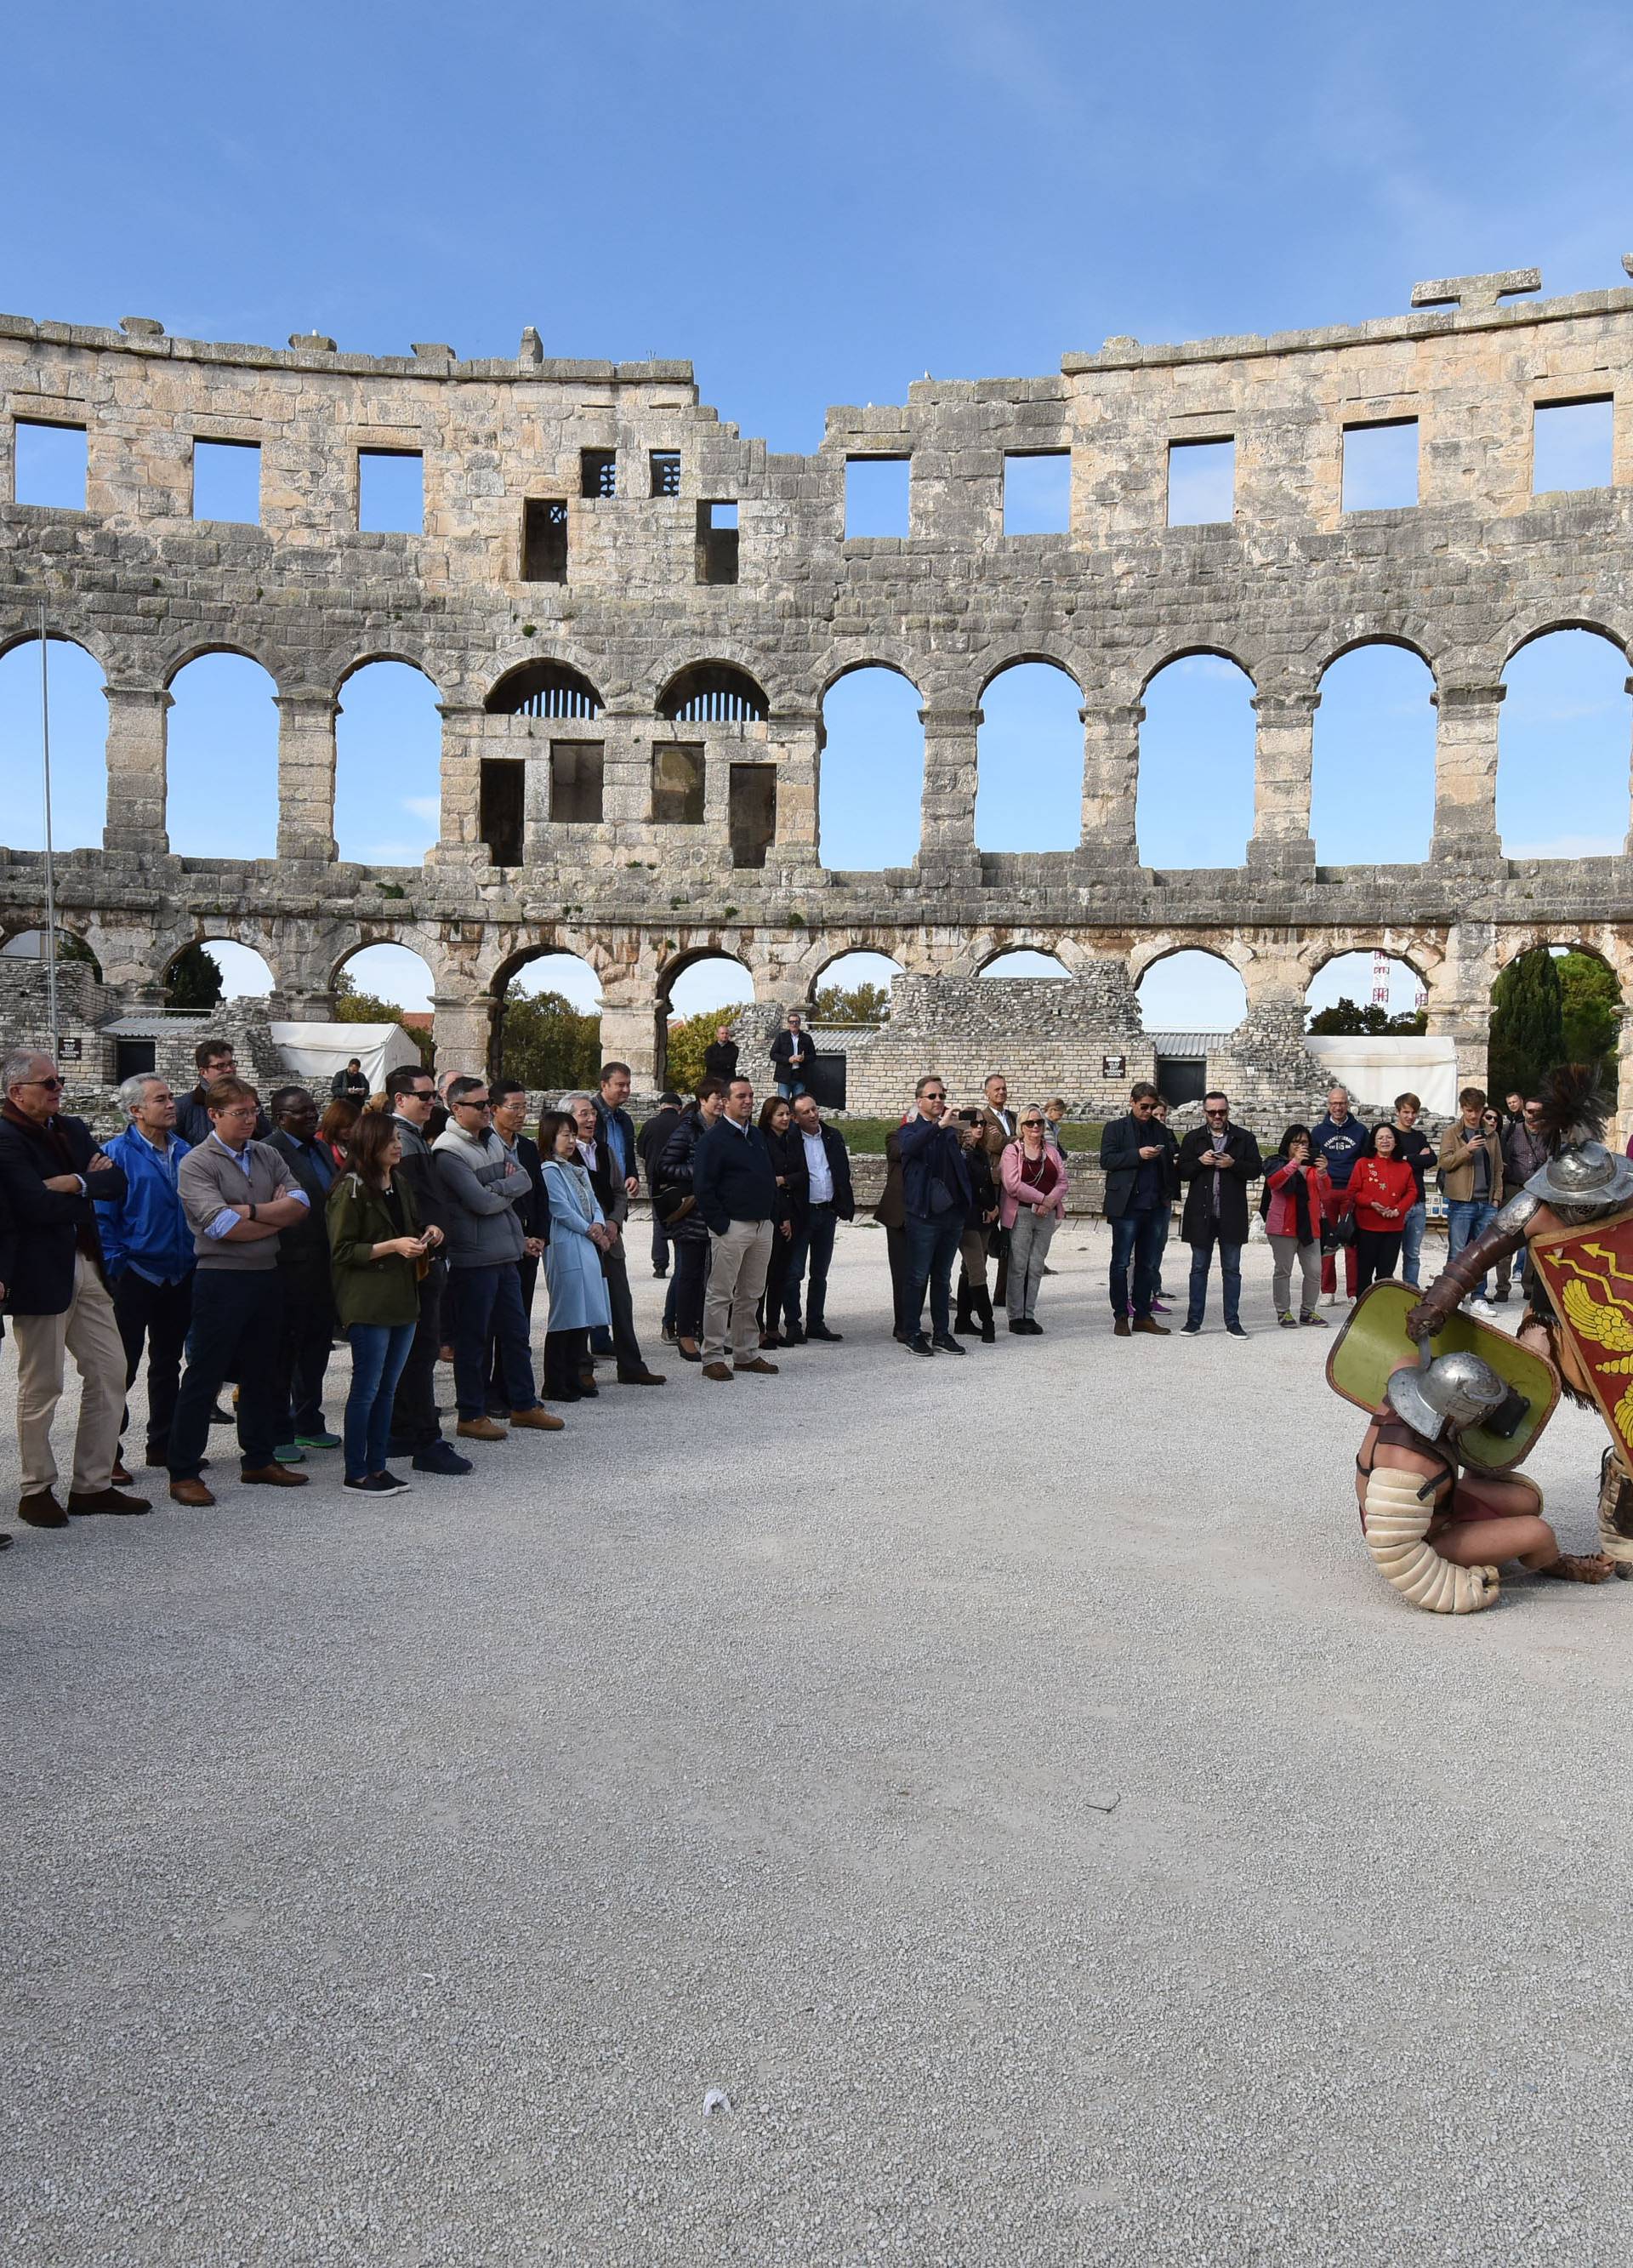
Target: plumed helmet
{"x":1584,"y":1173}
{"x":1455,"y":1390}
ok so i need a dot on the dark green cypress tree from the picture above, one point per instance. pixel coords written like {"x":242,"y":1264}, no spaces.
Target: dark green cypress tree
{"x":1527,"y":1023}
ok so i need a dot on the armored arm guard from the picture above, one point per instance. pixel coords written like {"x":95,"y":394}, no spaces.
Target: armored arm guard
{"x":1450,"y":1289}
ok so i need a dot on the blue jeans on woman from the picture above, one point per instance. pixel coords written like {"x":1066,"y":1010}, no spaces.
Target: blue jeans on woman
{"x":378,"y":1352}
{"x":1412,"y":1243}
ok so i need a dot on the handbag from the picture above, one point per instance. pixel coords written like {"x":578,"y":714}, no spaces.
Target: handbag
{"x":1335,"y":1235}
{"x":673,"y":1204}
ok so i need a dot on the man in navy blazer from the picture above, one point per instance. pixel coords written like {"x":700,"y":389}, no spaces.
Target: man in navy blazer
{"x":735,"y":1185}
{"x":823,"y":1198}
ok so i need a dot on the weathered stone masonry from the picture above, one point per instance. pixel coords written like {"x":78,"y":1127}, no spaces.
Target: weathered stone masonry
{"x":1475,"y":570}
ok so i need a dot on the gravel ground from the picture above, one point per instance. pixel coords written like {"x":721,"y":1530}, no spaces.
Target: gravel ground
{"x":1006,"y":1781}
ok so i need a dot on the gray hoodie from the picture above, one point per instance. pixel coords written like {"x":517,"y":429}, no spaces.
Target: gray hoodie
{"x":480,"y":1186}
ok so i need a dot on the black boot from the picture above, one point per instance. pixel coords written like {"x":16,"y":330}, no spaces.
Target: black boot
{"x":983,"y":1308}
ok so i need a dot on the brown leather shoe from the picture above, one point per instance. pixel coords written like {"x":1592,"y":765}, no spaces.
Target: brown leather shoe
{"x":766,"y":1369}
{"x":1152,"y":1328}
{"x":190,"y":1492}
{"x":642,"y":1377}
{"x":119,"y":1477}
{"x":108,"y":1499}
{"x":716,"y":1369}
{"x":537,"y":1420}
{"x":41,"y":1510}
{"x":273,"y":1475}
{"x":1119,"y":1329}
{"x":481,"y":1429}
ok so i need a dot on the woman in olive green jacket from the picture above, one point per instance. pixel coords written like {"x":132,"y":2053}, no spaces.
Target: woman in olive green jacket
{"x":376,"y":1253}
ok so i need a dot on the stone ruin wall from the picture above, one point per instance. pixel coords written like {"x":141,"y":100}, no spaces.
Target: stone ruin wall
{"x":1478,"y":567}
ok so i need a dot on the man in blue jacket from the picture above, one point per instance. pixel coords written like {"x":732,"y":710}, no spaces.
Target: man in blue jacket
{"x":1340,"y":1138}
{"x":734,"y":1184}
{"x":147,"y":1250}
{"x":936,"y":1196}
{"x":1139,"y":1159}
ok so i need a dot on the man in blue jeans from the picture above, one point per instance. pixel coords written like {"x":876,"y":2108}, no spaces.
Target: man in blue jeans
{"x":936,"y":1199}
{"x":1471,"y":1158}
{"x":1219,"y":1160}
{"x":1137,"y":1155}
{"x":1418,"y":1152}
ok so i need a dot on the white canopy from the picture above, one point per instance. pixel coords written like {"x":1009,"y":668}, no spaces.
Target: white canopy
{"x":1375,"y":1071}
{"x":315,"y":1052}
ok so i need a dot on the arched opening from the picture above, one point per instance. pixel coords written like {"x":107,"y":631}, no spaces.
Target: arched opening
{"x":387,"y":766}
{"x":543,"y":689}
{"x":547,"y":1028}
{"x":386,"y":984}
{"x":1373,"y":796}
{"x":1190,"y":1002}
{"x":695,"y":999}
{"x":222,"y":799}
{"x":1554,"y":1004}
{"x":872,"y":781}
{"x":1565,"y":717}
{"x":713,"y":693}
{"x":79,"y":718}
{"x":1029,"y":761}
{"x":1022,"y":961}
{"x":214,"y":970}
{"x":855,"y":989}
{"x":1373,"y":995}
{"x":1194,"y":805}
{"x":29,"y":944}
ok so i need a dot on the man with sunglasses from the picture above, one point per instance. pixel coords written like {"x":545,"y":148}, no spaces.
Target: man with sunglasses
{"x":54,"y":1289}
{"x":481,"y":1190}
{"x":1138,"y":1158}
{"x":936,"y":1195}
{"x":416,"y":1427}
{"x":1219,"y":1160}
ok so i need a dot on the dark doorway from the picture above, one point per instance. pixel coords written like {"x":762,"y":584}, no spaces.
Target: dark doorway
{"x":751,"y":812}
{"x":1181,"y":1078}
{"x":503,"y":782}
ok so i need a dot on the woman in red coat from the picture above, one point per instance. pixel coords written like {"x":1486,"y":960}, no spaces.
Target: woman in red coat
{"x":1382,"y":1191}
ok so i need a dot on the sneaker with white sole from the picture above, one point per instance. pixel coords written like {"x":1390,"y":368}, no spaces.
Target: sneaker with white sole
{"x":1483,"y":1308}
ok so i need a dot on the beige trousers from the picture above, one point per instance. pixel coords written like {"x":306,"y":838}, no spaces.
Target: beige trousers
{"x":737,"y":1277}
{"x":87,"y":1332}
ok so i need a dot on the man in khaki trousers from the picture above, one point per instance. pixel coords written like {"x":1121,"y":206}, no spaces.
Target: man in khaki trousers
{"x":50,"y":1167}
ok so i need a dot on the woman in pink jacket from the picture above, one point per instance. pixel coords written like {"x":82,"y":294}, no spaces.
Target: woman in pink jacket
{"x":1032,"y":1178}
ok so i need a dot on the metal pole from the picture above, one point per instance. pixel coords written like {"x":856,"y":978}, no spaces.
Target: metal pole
{"x":45,"y":753}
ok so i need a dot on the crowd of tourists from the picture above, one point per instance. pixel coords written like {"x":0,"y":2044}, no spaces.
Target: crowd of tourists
{"x":227,"y":1246}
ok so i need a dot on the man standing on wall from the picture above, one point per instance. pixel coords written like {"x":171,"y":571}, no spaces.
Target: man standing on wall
{"x":793,"y":1054}
{"x":720,"y":1055}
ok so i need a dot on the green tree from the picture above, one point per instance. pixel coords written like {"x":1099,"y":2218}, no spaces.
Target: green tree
{"x":1590,"y":1014}
{"x":194,"y":981}
{"x":1527,"y":1023}
{"x":354,"y":1007}
{"x":862,"y":1004}
{"x":547,"y":1042}
{"x":688,"y":1038}
{"x":1346,"y":1020}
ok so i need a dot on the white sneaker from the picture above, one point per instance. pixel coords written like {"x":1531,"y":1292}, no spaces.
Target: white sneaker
{"x":1483,"y":1308}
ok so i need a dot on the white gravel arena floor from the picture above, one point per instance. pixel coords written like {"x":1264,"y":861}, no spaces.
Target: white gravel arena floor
{"x":1006,"y":1782}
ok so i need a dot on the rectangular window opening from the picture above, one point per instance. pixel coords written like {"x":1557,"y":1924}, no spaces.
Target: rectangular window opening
{"x":598,"y":472}
{"x":49,"y":465}
{"x":677,"y":784}
{"x":391,"y":491}
{"x":544,"y":540}
{"x":666,"y":472}
{"x":504,"y":786}
{"x":877,"y":495}
{"x":575,"y":782}
{"x":717,"y":543}
{"x":751,"y":812}
{"x":1380,"y":465}
{"x":1571,"y":443}
{"x":1037,"y":492}
{"x":227,"y":481}
{"x":1202,"y":482}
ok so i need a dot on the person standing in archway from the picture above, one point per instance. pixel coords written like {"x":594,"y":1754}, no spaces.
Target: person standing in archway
{"x":793,"y":1051}
{"x":720,"y":1055}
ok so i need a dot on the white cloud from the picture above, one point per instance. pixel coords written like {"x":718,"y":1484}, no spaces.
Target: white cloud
{"x":428,"y":807}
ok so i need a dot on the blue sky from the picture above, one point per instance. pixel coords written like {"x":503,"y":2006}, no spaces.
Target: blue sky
{"x":818,"y":205}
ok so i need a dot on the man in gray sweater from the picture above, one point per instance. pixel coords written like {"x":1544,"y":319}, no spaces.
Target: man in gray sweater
{"x":480,"y":1188}
{"x":236,"y":1194}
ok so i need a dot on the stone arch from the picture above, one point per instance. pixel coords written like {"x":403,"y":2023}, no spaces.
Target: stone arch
{"x":1189,"y":808}
{"x":712,"y":692}
{"x":222,"y":797}
{"x":1566,"y":713}
{"x":1555,"y":625}
{"x":79,"y":731}
{"x":260,"y":944}
{"x":86,"y":638}
{"x":376,"y":655}
{"x":388,"y":763}
{"x":1594,"y":1020}
{"x":999,"y":967}
{"x":543,"y":687}
{"x":1202,"y":650}
{"x":1030,"y":718}
{"x":1377,"y":698}
{"x":1360,"y":981}
{"x":1170,"y":1006}
{"x":871,"y":779}
{"x":409,"y":945}
{"x":203,"y":650}
{"x":1402,"y":639}
{"x":22,"y":939}
{"x":673,"y":970}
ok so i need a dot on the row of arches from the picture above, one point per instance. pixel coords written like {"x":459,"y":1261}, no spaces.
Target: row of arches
{"x":1567,"y":715}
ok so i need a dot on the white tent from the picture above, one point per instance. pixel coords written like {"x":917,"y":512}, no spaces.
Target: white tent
{"x":315,"y":1052}
{"x":1375,"y":1071}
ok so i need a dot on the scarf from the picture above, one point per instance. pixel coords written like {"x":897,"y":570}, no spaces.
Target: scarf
{"x":87,"y":1241}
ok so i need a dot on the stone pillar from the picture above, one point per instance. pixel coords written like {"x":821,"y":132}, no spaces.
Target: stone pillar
{"x":1284,"y":760}
{"x":463,"y":1029}
{"x":947,"y":819}
{"x":135,"y":770}
{"x":629,"y":1011}
{"x":1466,"y":739}
{"x":795,"y":738}
{"x":1111,"y":773}
{"x":306,"y":774}
{"x":459,"y":842}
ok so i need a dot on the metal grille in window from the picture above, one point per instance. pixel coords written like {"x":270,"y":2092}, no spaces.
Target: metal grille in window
{"x":666,"y":472}
{"x":712,"y":693}
{"x":599,"y":468}
{"x":544,"y":688}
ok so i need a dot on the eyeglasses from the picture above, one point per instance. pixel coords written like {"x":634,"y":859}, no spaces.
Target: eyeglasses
{"x":54,"y":1084}
{"x":1216,"y":1114}
{"x":933,"y":1094}
{"x":1031,"y":1121}
{"x":474,"y":1103}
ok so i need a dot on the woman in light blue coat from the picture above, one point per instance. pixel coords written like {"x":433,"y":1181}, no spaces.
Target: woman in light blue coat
{"x":572,"y":1262}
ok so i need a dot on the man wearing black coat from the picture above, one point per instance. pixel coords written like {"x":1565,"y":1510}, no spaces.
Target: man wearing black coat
{"x":822,"y":1197}
{"x":49,"y":1171}
{"x":309,"y":1317}
{"x":509,"y":1111}
{"x":936,"y":1198}
{"x":720,"y":1055}
{"x":416,"y":1427}
{"x":1140,"y":1161}
{"x":793,"y":1054}
{"x":1216,"y":1161}
{"x":649,"y":1145}
{"x":213,"y":1059}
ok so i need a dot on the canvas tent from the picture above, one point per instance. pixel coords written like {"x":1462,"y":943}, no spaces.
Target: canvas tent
{"x":315,"y":1052}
